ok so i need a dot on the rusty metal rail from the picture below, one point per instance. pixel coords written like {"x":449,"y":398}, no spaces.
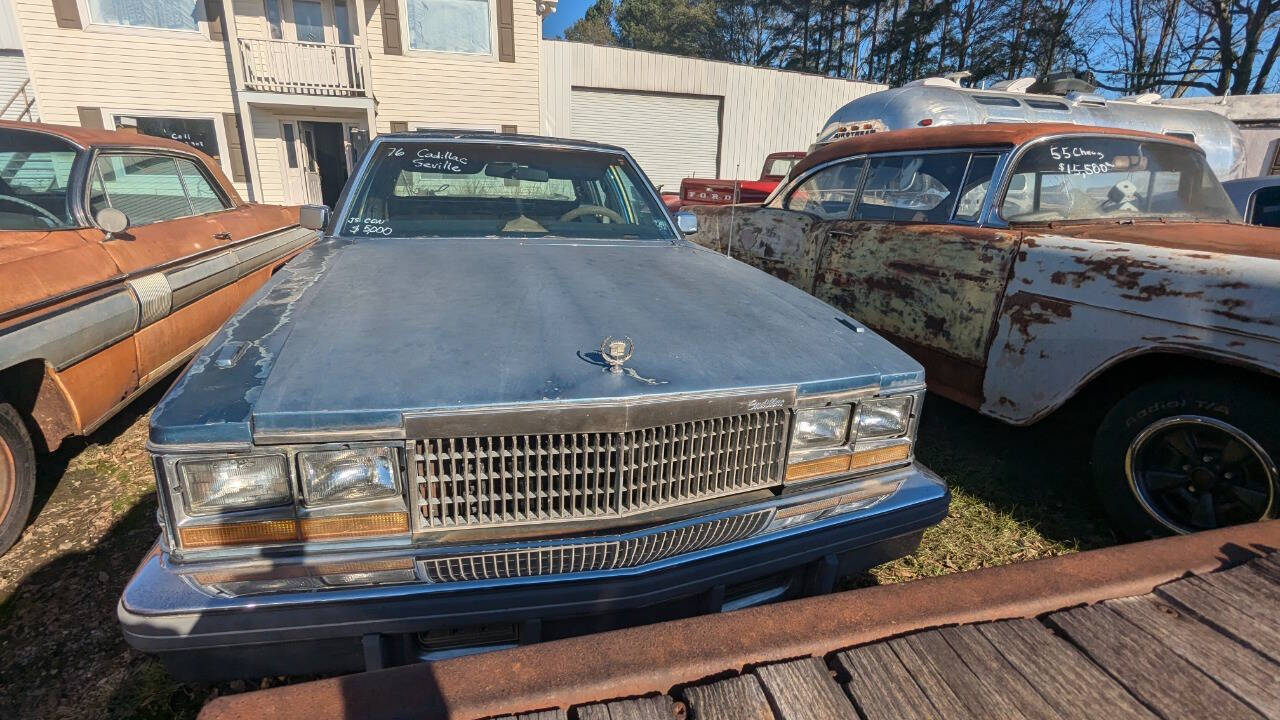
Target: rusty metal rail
{"x":638,"y":661}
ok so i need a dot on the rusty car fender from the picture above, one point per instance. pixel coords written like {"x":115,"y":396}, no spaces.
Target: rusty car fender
{"x":1077,"y":306}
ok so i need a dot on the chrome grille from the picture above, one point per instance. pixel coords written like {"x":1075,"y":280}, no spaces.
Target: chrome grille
{"x":503,"y":480}
{"x":585,"y":557}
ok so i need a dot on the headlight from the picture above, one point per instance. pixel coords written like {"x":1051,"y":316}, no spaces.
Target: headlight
{"x":884,"y":418}
{"x":820,"y":428}
{"x":234,"y":483}
{"x":333,"y":476}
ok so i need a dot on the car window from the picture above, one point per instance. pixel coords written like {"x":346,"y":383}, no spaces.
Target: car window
{"x":976,"y":184}
{"x":912,"y":188}
{"x":204,"y":198}
{"x":779,"y":166}
{"x":1094,"y":178}
{"x":1266,"y":207}
{"x":442,"y":188}
{"x":146,"y":188}
{"x":828,"y":193}
{"x":35,"y":170}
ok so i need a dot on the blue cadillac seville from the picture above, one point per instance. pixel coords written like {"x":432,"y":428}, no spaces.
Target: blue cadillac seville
{"x":504,"y":400}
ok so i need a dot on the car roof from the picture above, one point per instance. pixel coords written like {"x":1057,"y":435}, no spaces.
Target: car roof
{"x":89,"y":137}
{"x":481,"y":136}
{"x":963,"y":136}
{"x":1253,"y":183}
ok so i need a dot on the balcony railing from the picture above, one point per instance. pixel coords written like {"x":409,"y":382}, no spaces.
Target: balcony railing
{"x":303,"y":68}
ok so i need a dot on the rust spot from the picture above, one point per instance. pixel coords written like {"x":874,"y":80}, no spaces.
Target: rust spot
{"x":1200,"y":256}
{"x":1230,"y":285}
{"x":1235,"y":343}
{"x":1125,"y":273}
{"x":1026,"y":311}
{"x":1002,"y":400}
{"x":936,"y":325}
{"x":910,"y":268}
{"x":1150,"y":292}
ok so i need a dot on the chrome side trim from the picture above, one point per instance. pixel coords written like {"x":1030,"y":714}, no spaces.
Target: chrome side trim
{"x":69,"y":334}
{"x":154,"y":295}
{"x":74,"y":333}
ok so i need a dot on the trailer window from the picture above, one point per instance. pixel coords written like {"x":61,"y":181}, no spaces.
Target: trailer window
{"x":1087,"y":178}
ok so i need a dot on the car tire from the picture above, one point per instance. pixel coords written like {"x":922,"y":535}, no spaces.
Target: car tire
{"x":17,"y":476}
{"x":1188,"y":454}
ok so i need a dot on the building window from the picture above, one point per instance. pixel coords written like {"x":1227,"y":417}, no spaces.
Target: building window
{"x":450,"y":25}
{"x":342,"y":20}
{"x":199,"y":133}
{"x":274,"y":23}
{"x":163,"y":14}
{"x":308,"y":20}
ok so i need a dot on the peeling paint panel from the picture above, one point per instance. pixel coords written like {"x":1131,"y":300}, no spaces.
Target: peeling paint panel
{"x":783,"y":243}
{"x":1077,"y":306}
{"x":936,"y":285}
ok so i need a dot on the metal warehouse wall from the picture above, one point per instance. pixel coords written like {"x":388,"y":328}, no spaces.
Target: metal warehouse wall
{"x":763,"y":110}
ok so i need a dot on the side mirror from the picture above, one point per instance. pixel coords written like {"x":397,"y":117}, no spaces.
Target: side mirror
{"x":687,"y":222}
{"x":111,"y":221}
{"x":313,"y":217}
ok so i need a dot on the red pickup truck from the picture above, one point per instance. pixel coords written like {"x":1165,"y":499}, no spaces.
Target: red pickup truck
{"x":700,"y":191}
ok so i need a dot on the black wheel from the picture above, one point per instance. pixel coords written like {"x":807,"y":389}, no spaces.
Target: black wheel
{"x":1178,"y":456}
{"x":17,"y":476}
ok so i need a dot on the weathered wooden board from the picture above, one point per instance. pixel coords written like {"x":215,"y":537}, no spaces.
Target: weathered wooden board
{"x":1068,"y":680}
{"x":1252,"y":677}
{"x":804,"y":690}
{"x":1248,"y":590}
{"x":1269,"y":566}
{"x":982,"y":658}
{"x":1194,"y":593}
{"x":881,"y":686}
{"x":981,"y":698}
{"x":736,"y":698}
{"x":653,"y":707}
{"x":537,"y":715}
{"x":1156,"y":675}
{"x":928,"y":677}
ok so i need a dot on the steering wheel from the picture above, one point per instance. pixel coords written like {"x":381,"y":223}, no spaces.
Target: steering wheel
{"x":600,"y":210}
{"x":54,"y":220}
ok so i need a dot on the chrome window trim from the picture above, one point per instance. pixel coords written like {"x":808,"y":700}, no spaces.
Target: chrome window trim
{"x":111,"y":151}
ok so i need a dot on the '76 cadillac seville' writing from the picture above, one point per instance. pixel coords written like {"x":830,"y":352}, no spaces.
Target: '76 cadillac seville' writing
{"x":1025,"y":265}
{"x":502,"y":393}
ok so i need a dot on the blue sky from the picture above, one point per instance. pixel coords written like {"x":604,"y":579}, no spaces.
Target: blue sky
{"x":567,"y":13}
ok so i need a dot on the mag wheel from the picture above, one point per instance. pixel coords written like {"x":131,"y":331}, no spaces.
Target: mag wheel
{"x":1186,"y":455}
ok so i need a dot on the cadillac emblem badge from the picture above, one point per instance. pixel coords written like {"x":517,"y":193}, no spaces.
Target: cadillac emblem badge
{"x":616,"y":352}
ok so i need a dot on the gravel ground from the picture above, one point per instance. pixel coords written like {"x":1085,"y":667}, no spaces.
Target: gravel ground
{"x":1019,"y":494}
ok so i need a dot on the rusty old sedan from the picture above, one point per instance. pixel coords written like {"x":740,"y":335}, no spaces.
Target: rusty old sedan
{"x":1027,"y":265}
{"x":120,"y":254}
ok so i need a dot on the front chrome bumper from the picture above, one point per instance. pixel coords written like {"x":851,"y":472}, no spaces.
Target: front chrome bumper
{"x":167,"y":608}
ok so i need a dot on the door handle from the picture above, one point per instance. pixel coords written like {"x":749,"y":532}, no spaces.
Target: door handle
{"x":222,"y":236}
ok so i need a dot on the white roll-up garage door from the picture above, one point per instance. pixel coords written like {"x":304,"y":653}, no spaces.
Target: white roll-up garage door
{"x":671,"y":136}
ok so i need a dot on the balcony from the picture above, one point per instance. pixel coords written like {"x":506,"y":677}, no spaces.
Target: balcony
{"x":304,"y":68}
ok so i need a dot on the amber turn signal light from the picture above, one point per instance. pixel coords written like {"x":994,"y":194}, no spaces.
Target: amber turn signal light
{"x":246,"y":533}
{"x":848,"y":462}
{"x":880,"y":456}
{"x":345,"y":526}
{"x":264,"y":532}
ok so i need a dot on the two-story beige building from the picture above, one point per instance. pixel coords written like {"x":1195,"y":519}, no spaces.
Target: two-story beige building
{"x":284,"y":93}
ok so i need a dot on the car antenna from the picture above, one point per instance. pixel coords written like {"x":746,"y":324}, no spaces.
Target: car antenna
{"x":733,"y":209}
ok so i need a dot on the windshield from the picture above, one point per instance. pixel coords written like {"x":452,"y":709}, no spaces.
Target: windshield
{"x":779,"y":166}
{"x":1087,"y":178}
{"x":34,"y":172}
{"x":453,"y":189}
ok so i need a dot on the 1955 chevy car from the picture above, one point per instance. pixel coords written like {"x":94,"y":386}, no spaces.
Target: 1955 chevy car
{"x":503,"y":394}
{"x":1025,"y":265}
{"x":120,"y":255}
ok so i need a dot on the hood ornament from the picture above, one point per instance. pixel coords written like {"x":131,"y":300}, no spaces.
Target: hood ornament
{"x":616,"y":352}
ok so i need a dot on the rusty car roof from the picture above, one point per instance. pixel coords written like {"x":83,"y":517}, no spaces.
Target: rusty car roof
{"x":947,"y":136}
{"x":89,"y":137}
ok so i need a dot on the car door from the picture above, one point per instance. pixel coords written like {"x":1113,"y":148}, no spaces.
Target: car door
{"x":785,"y":238}
{"x":913,"y":263}
{"x":173,"y":206}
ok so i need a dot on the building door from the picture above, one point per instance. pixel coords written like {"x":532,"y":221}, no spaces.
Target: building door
{"x":671,"y":136}
{"x":327,"y":160}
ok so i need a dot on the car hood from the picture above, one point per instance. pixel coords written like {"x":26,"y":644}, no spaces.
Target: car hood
{"x":392,"y":326}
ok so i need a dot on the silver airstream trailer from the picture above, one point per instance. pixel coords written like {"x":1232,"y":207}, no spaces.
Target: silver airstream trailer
{"x":942,"y":101}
